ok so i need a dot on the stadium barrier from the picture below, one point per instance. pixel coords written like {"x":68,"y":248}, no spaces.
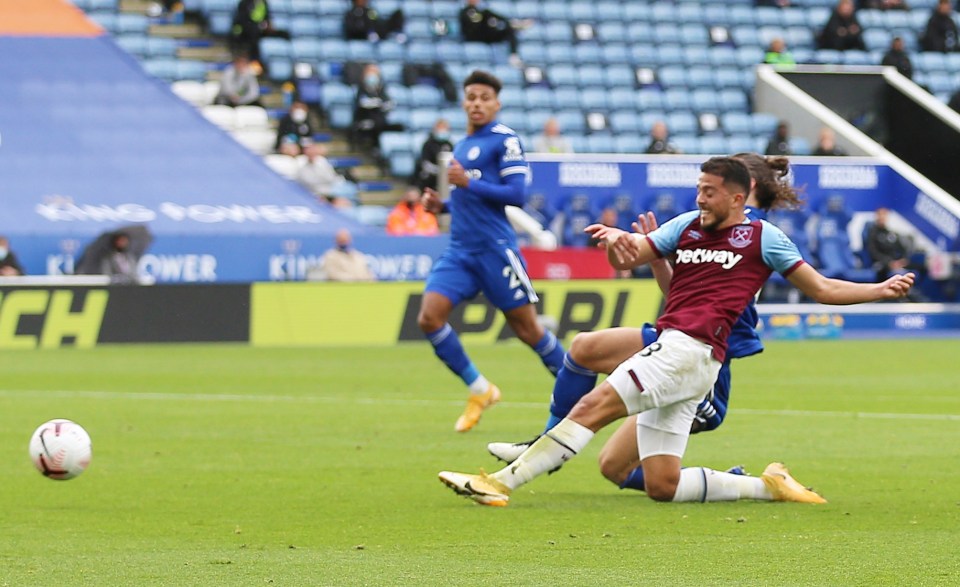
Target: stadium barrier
{"x":384,"y":314}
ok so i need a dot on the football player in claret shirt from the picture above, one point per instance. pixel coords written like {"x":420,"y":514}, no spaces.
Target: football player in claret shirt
{"x":488,"y":172}
{"x":603,"y":350}
{"x":722,"y":259}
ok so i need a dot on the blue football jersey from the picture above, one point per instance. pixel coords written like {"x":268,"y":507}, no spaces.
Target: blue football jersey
{"x":492,"y":155}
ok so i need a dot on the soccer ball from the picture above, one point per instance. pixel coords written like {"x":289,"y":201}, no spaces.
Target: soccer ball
{"x":60,"y":449}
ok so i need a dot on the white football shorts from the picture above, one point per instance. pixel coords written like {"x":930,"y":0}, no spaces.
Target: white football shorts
{"x":663,"y":384}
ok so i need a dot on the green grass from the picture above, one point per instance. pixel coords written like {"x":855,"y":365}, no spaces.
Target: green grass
{"x":226,"y":465}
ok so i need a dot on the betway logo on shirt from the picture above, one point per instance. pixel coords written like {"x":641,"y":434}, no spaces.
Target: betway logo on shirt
{"x":726,"y":259}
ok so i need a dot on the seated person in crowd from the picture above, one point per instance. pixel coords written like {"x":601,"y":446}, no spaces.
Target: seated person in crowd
{"x":551,"y":140}
{"x":941,"y":33}
{"x":361,"y":23}
{"x":660,"y":140}
{"x":408,"y":217}
{"x":827,"y":144}
{"x":897,"y":56}
{"x":777,"y":53}
{"x":9,"y":264}
{"x":842,"y":31}
{"x":238,"y":84}
{"x":370,"y":108}
{"x":343,"y":262}
{"x":482,"y":25}
{"x":251,"y":22}
{"x":319,"y":176}
{"x":779,"y":143}
{"x":295,"y":128}
{"x":426,"y":168}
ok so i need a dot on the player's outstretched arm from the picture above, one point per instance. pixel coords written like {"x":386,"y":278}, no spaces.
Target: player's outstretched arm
{"x":431,"y":201}
{"x":839,"y":292}
{"x":512,"y":192}
{"x":624,"y":250}
{"x":662,"y":270}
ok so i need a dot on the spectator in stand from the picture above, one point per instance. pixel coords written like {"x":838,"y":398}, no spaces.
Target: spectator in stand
{"x":941,"y":33}
{"x":370,"y":108}
{"x":238,"y":84}
{"x":427,"y":167}
{"x":120,"y":263}
{"x":362,"y":23}
{"x":295,"y":128}
{"x":660,"y":140}
{"x":780,"y":141}
{"x":551,"y":140}
{"x":408,"y":217}
{"x":251,"y":22}
{"x":827,"y":144}
{"x":883,"y":4}
{"x":777,"y":53}
{"x":897,"y":57}
{"x":319,"y":176}
{"x":343,"y":262}
{"x":889,"y":251}
{"x":9,"y":264}
{"x":842,"y":31}
{"x":483,"y":25}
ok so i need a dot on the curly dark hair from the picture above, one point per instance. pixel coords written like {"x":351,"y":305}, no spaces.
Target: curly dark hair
{"x":772,"y":190}
{"x":733,"y":171}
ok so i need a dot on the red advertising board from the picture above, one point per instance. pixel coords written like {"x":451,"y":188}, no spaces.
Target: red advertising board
{"x":568,"y":263}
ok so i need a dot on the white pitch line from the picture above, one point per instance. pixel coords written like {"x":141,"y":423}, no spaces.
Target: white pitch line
{"x":319,"y":399}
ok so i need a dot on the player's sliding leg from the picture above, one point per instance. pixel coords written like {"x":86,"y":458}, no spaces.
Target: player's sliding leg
{"x":590,"y":353}
{"x":434,"y":310}
{"x":620,"y":463}
{"x":597,"y":409}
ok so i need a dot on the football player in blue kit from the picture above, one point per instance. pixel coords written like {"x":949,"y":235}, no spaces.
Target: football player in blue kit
{"x":488,"y":172}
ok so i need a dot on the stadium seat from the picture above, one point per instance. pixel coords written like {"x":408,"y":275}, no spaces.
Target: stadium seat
{"x":623,"y":98}
{"x":577,"y":215}
{"x":135,"y":45}
{"x":625,"y":122}
{"x":223,"y":116}
{"x":251,"y":117}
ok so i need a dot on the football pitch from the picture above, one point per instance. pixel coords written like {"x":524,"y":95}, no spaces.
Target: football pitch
{"x":230,"y":465}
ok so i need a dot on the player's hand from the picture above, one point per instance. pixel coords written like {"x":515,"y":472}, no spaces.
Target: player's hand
{"x":431,"y":201}
{"x":646,"y":223}
{"x":621,"y":243}
{"x":456,"y":174}
{"x":897,"y":286}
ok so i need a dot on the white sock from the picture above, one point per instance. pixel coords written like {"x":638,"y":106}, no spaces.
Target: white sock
{"x":551,"y":450}
{"x":702,"y":484}
{"x":479,"y":385}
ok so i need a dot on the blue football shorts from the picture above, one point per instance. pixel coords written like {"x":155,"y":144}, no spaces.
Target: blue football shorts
{"x":501,"y":274}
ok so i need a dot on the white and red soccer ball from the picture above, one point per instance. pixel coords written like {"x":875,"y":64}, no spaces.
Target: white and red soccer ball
{"x":60,"y":449}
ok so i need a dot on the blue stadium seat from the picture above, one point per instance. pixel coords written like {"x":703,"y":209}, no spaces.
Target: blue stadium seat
{"x":667,"y":33}
{"x":733,"y":100}
{"x":600,"y":143}
{"x":749,"y":56}
{"x":722,"y":56}
{"x":587,"y":53}
{"x":623,"y":98}
{"x":539,"y":99}
{"x":558,"y":53}
{"x":799,"y":38}
{"x":663,"y":12}
{"x":800,"y":146}
{"x":612,"y":31}
{"x":643,"y":55}
{"x":337,"y":94}
{"x":334,"y":50}
{"x":696,"y":55}
{"x":629,"y":144}
{"x":567,"y":98}
{"x":577,"y":215}
{"x":625,"y":122}
{"x":594,"y":98}
{"x":583,"y":12}
{"x":669,"y":55}
{"x":672,"y":76}
{"x":877,"y":39}
{"x":127,"y":23}
{"x":363,"y":51}
{"x":650,"y":100}
{"x":700,"y":77}
{"x":639,"y":32}
{"x":713,"y":145}
{"x":164,"y":68}
{"x":634,"y":12}
{"x":682,"y":123}
{"x":828,"y":56}
{"x":704,"y":100}
{"x":615,"y":54}
{"x":297,"y":7}
{"x":425,"y":96}
{"x":563,"y":75}
{"x":694,"y":34}
{"x":618,"y":76}
{"x":590,"y":76}
{"x":274,"y":48}
{"x":740,"y":15}
{"x":136,"y":45}
{"x":401,"y":95}
{"x":558,"y":32}
{"x":677,"y":99}
{"x":419,"y":29}
{"x":278,"y":70}
{"x":422,"y":119}
{"x":727,"y":77}
{"x":305,"y":26}
{"x":571,"y":121}
{"x":533,"y":53}
{"x":422,"y":52}
{"x":736,"y":123}
{"x":858,"y":58}
{"x":717,"y":14}
{"x":746,"y":36}
{"x":741,"y":143}
{"x":305,"y":49}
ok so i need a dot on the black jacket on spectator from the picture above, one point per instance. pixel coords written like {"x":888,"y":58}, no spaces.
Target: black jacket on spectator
{"x":900,"y":60}
{"x":842,"y":33}
{"x":486,"y":26}
{"x":426,"y":171}
{"x":941,"y":34}
{"x":362,"y":21}
{"x":287,"y":128}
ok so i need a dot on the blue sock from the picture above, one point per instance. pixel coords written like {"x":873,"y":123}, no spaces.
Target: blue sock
{"x":634,"y":480}
{"x":550,"y":351}
{"x":446,"y":345}
{"x":573,"y":382}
